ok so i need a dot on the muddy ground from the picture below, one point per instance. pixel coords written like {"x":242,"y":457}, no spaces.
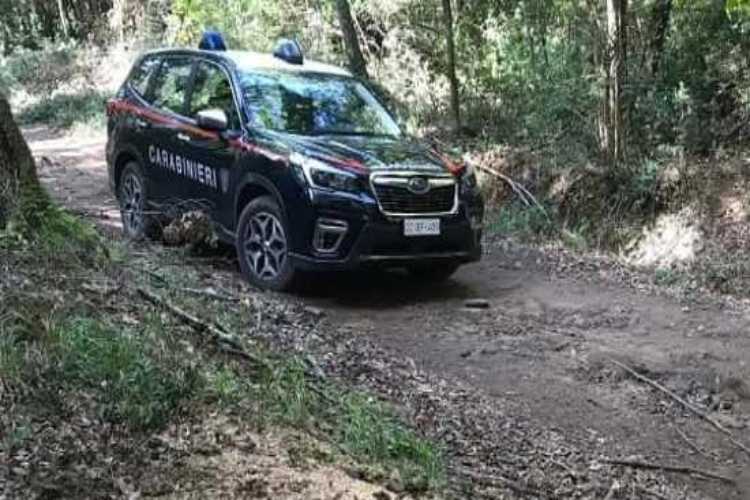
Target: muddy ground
{"x":537,"y":356}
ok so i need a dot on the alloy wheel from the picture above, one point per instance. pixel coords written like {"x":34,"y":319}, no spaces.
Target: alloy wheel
{"x":265,"y":246}
{"x":132,"y":203}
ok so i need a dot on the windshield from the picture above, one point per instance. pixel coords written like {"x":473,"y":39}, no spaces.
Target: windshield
{"x":313,"y":104}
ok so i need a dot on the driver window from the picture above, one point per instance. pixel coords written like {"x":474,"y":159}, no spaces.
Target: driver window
{"x":212,"y":90}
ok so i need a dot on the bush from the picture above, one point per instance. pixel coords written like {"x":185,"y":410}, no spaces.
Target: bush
{"x":66,"y":110}
{"x":41,"y":71}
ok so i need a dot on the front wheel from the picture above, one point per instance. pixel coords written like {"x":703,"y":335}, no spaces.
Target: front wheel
{"x":435,"y":272}
{"x":132,"y":194}
{"x":262,"y":245}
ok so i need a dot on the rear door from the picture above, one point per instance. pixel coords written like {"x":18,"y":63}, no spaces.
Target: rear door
{"x":165,"y":148}
{"x":128,"y":125}
{"x":211,"y":152}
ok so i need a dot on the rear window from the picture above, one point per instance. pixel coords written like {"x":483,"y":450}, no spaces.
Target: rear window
{"x":141,"y":74}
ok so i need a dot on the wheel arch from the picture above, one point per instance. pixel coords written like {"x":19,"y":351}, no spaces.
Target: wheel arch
{"x":122,"y":158}
{"x":252,"y":187}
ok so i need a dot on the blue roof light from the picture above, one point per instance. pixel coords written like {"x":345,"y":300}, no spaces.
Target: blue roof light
{"x":289,"y":51}
{"x":212,"y":40}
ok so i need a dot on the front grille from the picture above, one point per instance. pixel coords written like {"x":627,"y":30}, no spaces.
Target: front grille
{"x":396,"y":199}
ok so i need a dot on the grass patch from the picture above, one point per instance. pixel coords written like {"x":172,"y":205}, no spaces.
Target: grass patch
{"x":286,"y":395}
{"x":369,"y":431}
{"x":361,"y":426}
{"x":11,"y":356}
{"x":131,"y":385}
{"x":67,"y":110}
{"x":42,"y":231}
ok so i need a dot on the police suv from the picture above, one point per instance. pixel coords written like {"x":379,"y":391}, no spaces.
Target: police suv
{"x":298,"y":164}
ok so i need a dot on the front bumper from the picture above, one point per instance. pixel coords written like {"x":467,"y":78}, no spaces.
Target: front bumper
{"x":375,"y":239}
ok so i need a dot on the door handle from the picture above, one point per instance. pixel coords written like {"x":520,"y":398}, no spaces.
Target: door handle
{"x":183,"y":137}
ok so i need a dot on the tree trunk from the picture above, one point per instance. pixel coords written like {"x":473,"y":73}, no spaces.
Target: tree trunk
{"x":661,"y":15}
{"x":357,"y":62}
{"x":63,"y":19}
{"x":451,"y":68}
{"x":17,"y":170}
{"x":611,"y":127}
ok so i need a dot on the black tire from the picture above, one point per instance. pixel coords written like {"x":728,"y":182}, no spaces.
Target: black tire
{"x":261,"y":232}
{"x":137,"y":224}
{"x":434,"y":272}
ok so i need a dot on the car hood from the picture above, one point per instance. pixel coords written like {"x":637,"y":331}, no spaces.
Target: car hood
{"x":372,"y":154}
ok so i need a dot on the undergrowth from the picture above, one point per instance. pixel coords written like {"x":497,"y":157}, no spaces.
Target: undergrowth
{"x":63,"y":350}
{"x":66,"y":110}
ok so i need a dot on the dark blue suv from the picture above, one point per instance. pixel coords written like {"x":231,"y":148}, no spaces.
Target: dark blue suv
{"x":298,"y":164}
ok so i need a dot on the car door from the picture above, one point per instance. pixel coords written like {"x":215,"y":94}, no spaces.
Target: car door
{"x":165,"y":148}
{"x":211,"y":152}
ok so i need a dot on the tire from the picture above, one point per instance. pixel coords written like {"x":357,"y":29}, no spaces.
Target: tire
{"x":262,"y":246}
{"x":132,"y":194}
{"x":434,"y":272}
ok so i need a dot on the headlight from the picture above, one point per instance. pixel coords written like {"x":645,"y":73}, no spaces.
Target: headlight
{"x":468,"y":179}
{"x":321,"y":175}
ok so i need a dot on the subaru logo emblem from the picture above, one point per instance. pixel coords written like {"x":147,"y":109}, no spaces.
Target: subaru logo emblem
{"x":418,"y":185}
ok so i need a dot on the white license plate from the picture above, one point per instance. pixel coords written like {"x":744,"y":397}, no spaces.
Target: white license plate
{"x":421,"y":227}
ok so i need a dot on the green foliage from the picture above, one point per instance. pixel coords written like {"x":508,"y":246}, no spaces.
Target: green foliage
{"x":66,"y":110}
{"x":362,"y":426}
{"x":11,"y":355}
{"x":224,"y":385}
{"x":52,"y":234}
{"x":42,"y":70}
{"x":130,"y":383}
{"x":517,"y":219}
{"x":369,"y":431}
{"x":287,"y":394}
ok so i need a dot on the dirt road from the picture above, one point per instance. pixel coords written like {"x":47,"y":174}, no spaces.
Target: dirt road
{"x":542,"y":343}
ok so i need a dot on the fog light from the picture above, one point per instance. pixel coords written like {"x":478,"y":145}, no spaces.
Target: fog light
{"x":329,"y":233}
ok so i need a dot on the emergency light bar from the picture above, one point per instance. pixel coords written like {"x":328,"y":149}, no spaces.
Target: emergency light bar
{"x":212,"y":40}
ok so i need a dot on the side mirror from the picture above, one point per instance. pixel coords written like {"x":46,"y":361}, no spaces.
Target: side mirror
{"x":212,"y":119}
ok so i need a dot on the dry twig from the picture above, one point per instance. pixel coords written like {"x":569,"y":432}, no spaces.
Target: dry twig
{"x":682,"y":469}
{"x":690,"y":442}
{"x":497,"y":481}
{"x":526,"y":197}
{"x":697,"y":411}
{"x":225,"y":341}
{"x":210,"y":294}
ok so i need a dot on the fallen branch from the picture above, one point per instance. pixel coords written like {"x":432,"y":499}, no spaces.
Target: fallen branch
{"x":697,"y":411}
{"x":526,"y":197}
{"x":210,"y":294}
{"x":497,"y":481}
{"x":682,"y":469}
{"x":690,"y":442}
{"x":225,"y":341}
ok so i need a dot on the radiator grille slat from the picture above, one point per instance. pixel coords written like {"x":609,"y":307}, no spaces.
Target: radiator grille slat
{"x":400,"y":200}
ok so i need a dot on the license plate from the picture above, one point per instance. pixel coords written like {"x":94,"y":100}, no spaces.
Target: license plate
{"x":421,"y":227}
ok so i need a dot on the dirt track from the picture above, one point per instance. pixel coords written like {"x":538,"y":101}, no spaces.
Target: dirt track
{"x":541,"y":347}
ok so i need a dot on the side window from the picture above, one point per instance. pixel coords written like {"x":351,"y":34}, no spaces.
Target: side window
{"x":141,"y":74}
{"x":170,"y":88}
{"x":213,"y":90}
